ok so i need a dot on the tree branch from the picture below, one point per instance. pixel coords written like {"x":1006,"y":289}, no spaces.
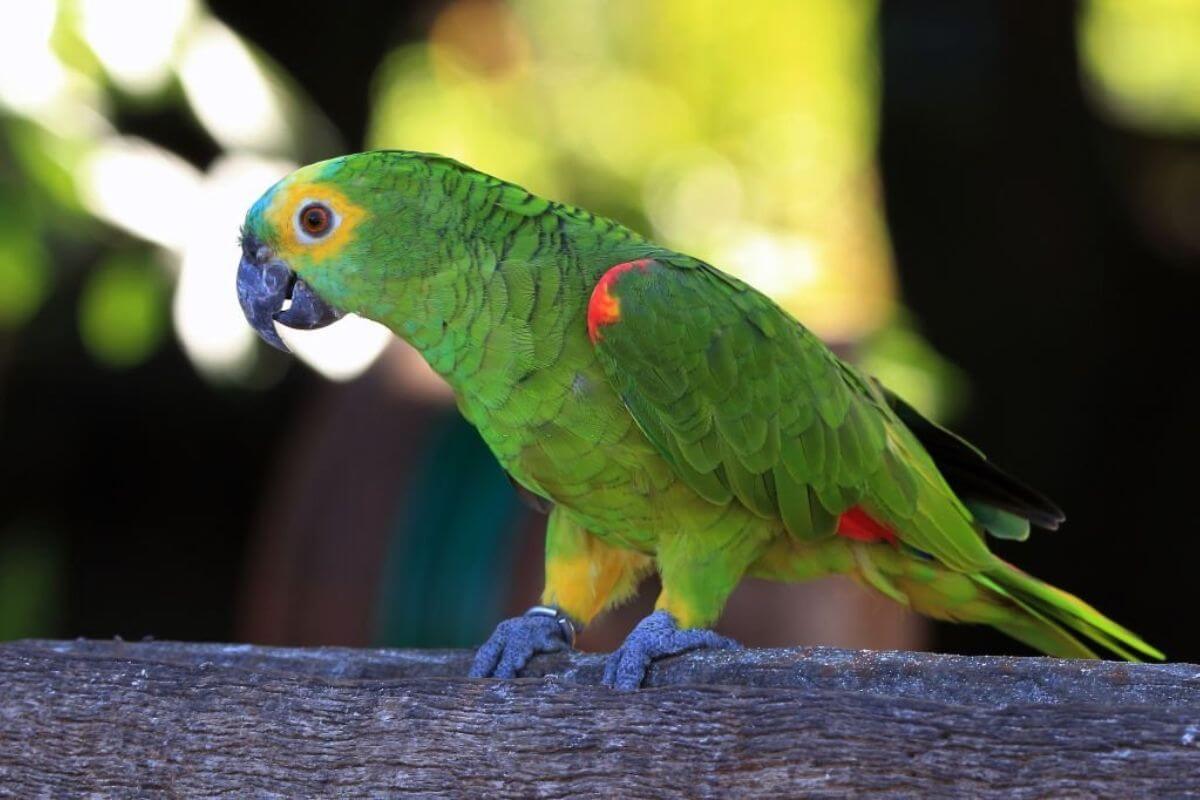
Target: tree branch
{"x":164,"y":719}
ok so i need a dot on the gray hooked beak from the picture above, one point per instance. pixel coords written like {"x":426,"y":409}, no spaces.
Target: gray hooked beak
{"x":264,"y":283}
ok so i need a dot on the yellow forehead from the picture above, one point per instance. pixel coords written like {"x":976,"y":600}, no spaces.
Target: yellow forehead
{"x":293,"y":195}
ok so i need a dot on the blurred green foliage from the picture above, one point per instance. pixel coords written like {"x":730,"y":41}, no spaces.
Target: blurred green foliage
{"x":24,"y":266}
{"x":30,"y":576}
{"x":1142,"y":59}
{"x":122,"y":312}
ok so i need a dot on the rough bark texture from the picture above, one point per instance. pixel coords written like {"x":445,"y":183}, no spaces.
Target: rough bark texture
{"x":162,"y":719}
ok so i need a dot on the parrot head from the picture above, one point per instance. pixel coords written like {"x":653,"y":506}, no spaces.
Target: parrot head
{"x":335,"y":237}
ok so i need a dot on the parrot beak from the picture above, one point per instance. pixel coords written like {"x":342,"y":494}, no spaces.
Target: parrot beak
{"x":265,"y":283}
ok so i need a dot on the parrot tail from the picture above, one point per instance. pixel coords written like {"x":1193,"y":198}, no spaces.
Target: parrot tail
{"x":1053,"y":620}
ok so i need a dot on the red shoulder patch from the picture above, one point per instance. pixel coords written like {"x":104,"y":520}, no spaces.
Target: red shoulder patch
{"x":604,"y":308}
{"x":857,"y":525}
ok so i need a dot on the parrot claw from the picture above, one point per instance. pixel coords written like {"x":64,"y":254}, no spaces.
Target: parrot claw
{"x":541,"y":630}
{"x":656,"y":636}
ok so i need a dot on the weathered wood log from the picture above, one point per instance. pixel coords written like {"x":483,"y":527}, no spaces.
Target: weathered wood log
{"x":163,"y":719}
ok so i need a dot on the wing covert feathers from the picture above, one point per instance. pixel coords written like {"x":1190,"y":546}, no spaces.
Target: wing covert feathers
{"x":747,"y":404}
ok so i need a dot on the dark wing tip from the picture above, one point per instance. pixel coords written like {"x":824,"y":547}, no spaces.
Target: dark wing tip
{"x":972,"y":475}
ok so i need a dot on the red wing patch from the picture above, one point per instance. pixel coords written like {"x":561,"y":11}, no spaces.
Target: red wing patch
{"x":857,"y":525}
{"x":604,"y":308}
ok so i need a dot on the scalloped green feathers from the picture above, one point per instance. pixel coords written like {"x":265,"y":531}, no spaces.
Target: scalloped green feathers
{"x":745,"y":403}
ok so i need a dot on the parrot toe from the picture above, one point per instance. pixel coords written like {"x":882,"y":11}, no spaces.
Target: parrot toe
{"x":656,"y":636}
{"x":515,"y":641}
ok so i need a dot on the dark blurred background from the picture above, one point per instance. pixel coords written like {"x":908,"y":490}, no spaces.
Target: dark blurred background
{"x":994,"y":206}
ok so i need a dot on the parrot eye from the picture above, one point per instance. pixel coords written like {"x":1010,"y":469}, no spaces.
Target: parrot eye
{"x":315,"y":219}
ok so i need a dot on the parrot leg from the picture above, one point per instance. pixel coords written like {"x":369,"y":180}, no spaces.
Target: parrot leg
{"x":541,"y":630}
{"x":693,"y":594}
{"x":656,"y":636}
{"x":583,"y":577}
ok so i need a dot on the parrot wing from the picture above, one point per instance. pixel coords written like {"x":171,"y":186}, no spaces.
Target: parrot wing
{"x":747,"y":404}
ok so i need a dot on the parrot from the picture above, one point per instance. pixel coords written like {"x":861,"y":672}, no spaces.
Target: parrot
{"x":668,"y":417}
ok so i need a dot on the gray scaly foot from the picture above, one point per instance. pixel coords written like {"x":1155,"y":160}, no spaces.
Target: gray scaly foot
{"x":656,"y":636}
{"x":541,"y":630}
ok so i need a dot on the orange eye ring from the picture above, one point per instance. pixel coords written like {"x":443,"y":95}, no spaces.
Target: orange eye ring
{"x":316,"y":219}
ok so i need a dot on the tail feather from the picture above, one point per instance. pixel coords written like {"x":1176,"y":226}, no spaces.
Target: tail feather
{"x":1033,"y":628}
{"x":1054,"y":616}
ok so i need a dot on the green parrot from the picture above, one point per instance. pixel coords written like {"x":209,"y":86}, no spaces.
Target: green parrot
{"x":669,"y":416}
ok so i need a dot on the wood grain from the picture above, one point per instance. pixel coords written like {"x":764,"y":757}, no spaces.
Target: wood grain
{"x":164,"y":719}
